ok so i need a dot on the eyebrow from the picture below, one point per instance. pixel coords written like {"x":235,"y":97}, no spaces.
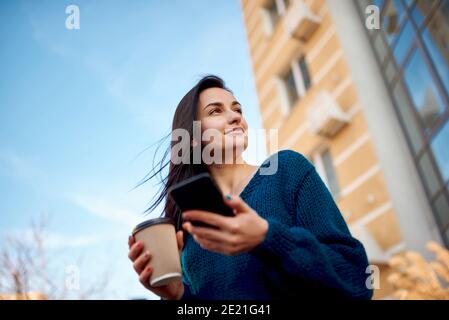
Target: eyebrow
{"x":220,"y":104}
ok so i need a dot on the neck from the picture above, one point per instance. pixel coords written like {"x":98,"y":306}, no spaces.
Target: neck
{"x":229,"y":176}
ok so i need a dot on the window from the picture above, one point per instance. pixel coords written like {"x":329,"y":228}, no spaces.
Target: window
{"x":440,"y":148}
{"x":274,"y":13}
{"x":446,"y":235}
{"x":292,"y":93}
{"x":380,"y":47}
{"x":305,"y":75}
{"x":301,"y":75}
{"x":423,"y":90}
{"x":288,"y":3}
{"x":378,"y":3}
{"x":404,"y":43}
{"x":410,"y":123}
{"x":421,"y":10}
{"x":442,"y":209}
{"x":436,"y":38}
{"x":428,"y":172}
{"x":296,"y":82}
{"x":325,"y":168}
{"x":270,"y":15}
{"x":392,"y":17}
{"x":391,"y":71}
{"x":409,"y":3}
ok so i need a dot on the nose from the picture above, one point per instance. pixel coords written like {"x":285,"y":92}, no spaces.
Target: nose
{"x":234,"y":117}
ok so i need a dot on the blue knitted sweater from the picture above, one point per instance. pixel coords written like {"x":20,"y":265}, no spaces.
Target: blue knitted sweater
{"x":308,"y":251}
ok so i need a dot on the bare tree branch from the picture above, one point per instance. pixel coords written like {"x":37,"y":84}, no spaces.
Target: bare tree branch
{"x":26,"y":267}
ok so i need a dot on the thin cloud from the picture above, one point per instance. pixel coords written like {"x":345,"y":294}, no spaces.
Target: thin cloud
{"x":19,"y":167}
{"x":53,"y":240}
{"x":106,"y":210}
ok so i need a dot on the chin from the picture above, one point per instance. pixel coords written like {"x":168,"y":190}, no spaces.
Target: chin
{"x":236,"y":150}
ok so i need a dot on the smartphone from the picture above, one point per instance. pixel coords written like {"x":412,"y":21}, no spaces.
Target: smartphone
{"x":200,"y":192}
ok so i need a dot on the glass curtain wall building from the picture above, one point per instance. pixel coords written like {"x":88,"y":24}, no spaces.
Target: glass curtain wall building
{"x":412,"y":50}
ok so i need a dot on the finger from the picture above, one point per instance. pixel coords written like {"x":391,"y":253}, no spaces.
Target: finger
{"x":210,"y":218}
{"x":218,"y":247}
{"x":236,"y":203}
{"x":187,"y":226}
{"x":144,"y":277}
{"x":140,"y":263}
{"x":211,"y":234}
{"x":209,"y":245}
{"x":180,"y":238}
{"x":135,"y":250}
{"x":131,"y":241}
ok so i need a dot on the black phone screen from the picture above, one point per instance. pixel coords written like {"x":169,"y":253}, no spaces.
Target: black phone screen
{"x":200,"y":192}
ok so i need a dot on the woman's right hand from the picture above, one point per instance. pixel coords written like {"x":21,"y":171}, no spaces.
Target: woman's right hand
{"x":141,"y":263}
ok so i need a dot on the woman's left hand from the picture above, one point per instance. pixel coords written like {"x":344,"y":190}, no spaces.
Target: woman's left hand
{"x":234,"y":235}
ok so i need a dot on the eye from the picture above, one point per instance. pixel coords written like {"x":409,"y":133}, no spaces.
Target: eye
{"x":213,"y":111}
{"x":239,"y":110}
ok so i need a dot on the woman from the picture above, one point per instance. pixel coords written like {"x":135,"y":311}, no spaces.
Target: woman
{"x":287,"y":238}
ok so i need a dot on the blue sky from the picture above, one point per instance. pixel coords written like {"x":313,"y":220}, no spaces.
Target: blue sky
{"x":78,"y":106}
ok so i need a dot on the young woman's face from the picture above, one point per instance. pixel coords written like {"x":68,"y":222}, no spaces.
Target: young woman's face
{"x":218,"y":109}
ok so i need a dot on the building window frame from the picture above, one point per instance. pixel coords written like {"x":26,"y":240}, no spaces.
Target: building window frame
{"x":324,"y":165}
{"x":417,"y":45}
{"x":271,"y":14}
{"x":299,"y":74}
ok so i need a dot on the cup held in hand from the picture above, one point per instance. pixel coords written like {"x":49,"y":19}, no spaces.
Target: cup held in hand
{"x":159,"y":238}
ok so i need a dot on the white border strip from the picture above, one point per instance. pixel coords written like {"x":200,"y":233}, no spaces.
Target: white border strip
{"x":395,"y":249}
{"x":268,"y":111}
{"x":330,"y":63}
{"x":346,"y":153}
{"x":360,"y":180}
{"x":316,"y":50}
{"x":342,"y":87}
{"x":373,"y":214}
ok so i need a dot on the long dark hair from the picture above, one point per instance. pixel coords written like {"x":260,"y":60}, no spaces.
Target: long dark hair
{"x":185,"y":115}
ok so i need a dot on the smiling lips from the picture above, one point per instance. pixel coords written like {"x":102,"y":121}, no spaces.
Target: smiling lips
{"x":234,"y":130}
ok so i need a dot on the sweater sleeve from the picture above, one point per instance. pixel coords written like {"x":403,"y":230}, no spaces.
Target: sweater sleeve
{"x":319,"y":249}
{"x":188,"y":294}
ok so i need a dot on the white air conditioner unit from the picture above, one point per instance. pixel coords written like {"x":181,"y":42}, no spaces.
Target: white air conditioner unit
{"x":324,"y":115}
{"x":300,"y":22}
